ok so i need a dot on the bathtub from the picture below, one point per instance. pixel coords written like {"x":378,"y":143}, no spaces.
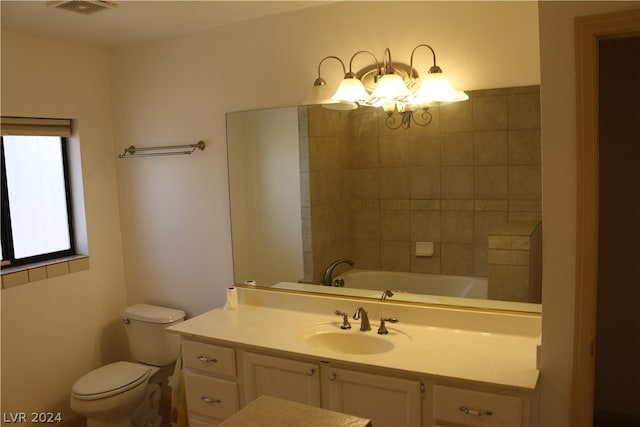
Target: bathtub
{"x":416,"y":283}
{"x":459,"y":291}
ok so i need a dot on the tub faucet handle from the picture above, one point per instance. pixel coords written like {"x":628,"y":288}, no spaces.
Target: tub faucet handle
{"x":382,"y":330}
{"x":345,"y":319}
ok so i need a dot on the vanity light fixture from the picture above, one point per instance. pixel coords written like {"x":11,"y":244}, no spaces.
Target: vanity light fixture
{"x":396,"y":88}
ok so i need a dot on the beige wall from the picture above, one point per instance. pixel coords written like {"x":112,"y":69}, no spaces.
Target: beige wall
{"x":55,"y":330}
{"x":559,"y":198}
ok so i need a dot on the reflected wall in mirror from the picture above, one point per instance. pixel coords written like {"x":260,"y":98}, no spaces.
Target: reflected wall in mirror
{"x":264,"y":185}
{"x":469,"y":184}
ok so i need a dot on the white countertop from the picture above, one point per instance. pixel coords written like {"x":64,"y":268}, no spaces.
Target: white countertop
{"x":507,"y":360}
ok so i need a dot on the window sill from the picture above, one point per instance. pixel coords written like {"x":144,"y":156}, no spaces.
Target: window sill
{"x":15,"y":276}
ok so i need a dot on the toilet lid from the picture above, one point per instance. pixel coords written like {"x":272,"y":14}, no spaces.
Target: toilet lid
{"x":110,"y":380}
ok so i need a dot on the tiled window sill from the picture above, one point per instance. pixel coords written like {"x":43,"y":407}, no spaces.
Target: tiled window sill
{"x":15,"y":276}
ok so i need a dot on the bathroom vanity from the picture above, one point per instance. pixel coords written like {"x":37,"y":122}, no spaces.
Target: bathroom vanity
{"x":436,"y":367}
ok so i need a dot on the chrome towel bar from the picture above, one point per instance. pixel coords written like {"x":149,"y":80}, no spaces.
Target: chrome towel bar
{"x":169,"y":150}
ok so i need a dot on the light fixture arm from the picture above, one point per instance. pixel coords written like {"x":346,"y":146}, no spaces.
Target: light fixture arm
{"x":434,"y":68}
{"x":402,"y":119}
{"x":387,"y":66}
{"x":351,"y":74}
{"x":320,"y":81}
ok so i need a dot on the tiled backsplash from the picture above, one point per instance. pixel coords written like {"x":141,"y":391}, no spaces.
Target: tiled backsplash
{"x":371,"y":192}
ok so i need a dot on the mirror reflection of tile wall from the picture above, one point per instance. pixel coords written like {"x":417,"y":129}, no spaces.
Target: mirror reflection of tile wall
{"x":370,"y":193}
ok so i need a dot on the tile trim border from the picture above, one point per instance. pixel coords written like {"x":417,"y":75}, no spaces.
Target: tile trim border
{"x":16,"y":276}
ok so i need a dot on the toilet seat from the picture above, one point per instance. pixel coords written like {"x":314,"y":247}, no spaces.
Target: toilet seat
{"x":110,"y":380}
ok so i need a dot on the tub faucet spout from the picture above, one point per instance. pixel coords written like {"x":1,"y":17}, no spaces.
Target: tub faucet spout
{"x":386,"y":294}
{"x":327,"y":280}
{"x":364,"y":323}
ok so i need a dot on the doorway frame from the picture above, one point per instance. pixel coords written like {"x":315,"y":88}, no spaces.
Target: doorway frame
{"x":589,"y":30}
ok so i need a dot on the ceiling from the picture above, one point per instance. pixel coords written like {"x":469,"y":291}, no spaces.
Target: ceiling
{"x":134,"y":22}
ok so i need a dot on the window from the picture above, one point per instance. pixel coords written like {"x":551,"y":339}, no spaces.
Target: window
{"x":36,"y":205}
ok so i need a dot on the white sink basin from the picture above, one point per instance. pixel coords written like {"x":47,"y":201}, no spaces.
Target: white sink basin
{"x":329,"y":337}
{"x":348,"y":343}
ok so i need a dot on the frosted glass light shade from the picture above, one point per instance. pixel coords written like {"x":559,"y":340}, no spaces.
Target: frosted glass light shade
{"x":340,"y":105}
{"x":319,"y":94}
{"x":389,"y":106}
{"x":436,"y":88}
{"x":391,"y":86}
{"x":460,"y":96}
{"x":351,"y":90}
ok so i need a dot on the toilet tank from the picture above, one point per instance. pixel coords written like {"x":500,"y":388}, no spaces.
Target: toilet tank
{"x":148,"y":340}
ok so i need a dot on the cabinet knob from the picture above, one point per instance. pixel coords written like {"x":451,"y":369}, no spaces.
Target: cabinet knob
{"x":474,"y":412}
{"x":210,"y":400}
{"x":206,"y":359}
{"x":332,"y":376}
{"x":310,"y":372}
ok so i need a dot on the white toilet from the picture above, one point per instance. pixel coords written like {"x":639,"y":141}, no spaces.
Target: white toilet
{"x":110,"y":395}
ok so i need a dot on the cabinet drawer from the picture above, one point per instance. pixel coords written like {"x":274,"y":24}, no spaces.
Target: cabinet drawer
{"x":209,"y":358}
{"x":211,"y":397}
{"x":474,"y":408}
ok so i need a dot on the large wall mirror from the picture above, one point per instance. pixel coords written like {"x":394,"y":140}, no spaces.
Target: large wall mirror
{"x":448,"y":213}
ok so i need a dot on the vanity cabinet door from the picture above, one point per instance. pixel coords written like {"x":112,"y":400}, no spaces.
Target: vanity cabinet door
{"x":277,"y":377}
{"x":387,"y":401}
{"x":460,"y":407}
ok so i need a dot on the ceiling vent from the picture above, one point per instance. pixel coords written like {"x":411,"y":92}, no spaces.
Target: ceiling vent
{"x":85,"y":7}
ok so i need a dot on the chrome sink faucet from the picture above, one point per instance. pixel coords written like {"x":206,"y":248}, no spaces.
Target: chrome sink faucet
{"x":364,"y":323}
{"x":327,"y":280}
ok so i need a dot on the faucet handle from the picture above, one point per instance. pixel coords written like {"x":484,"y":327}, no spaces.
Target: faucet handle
{"x":345,"y":319}
{"x":382,"y":330}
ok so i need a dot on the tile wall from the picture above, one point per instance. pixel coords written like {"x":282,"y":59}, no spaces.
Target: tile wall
{"x":371,"y":192}
{"x":515,"y":264}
